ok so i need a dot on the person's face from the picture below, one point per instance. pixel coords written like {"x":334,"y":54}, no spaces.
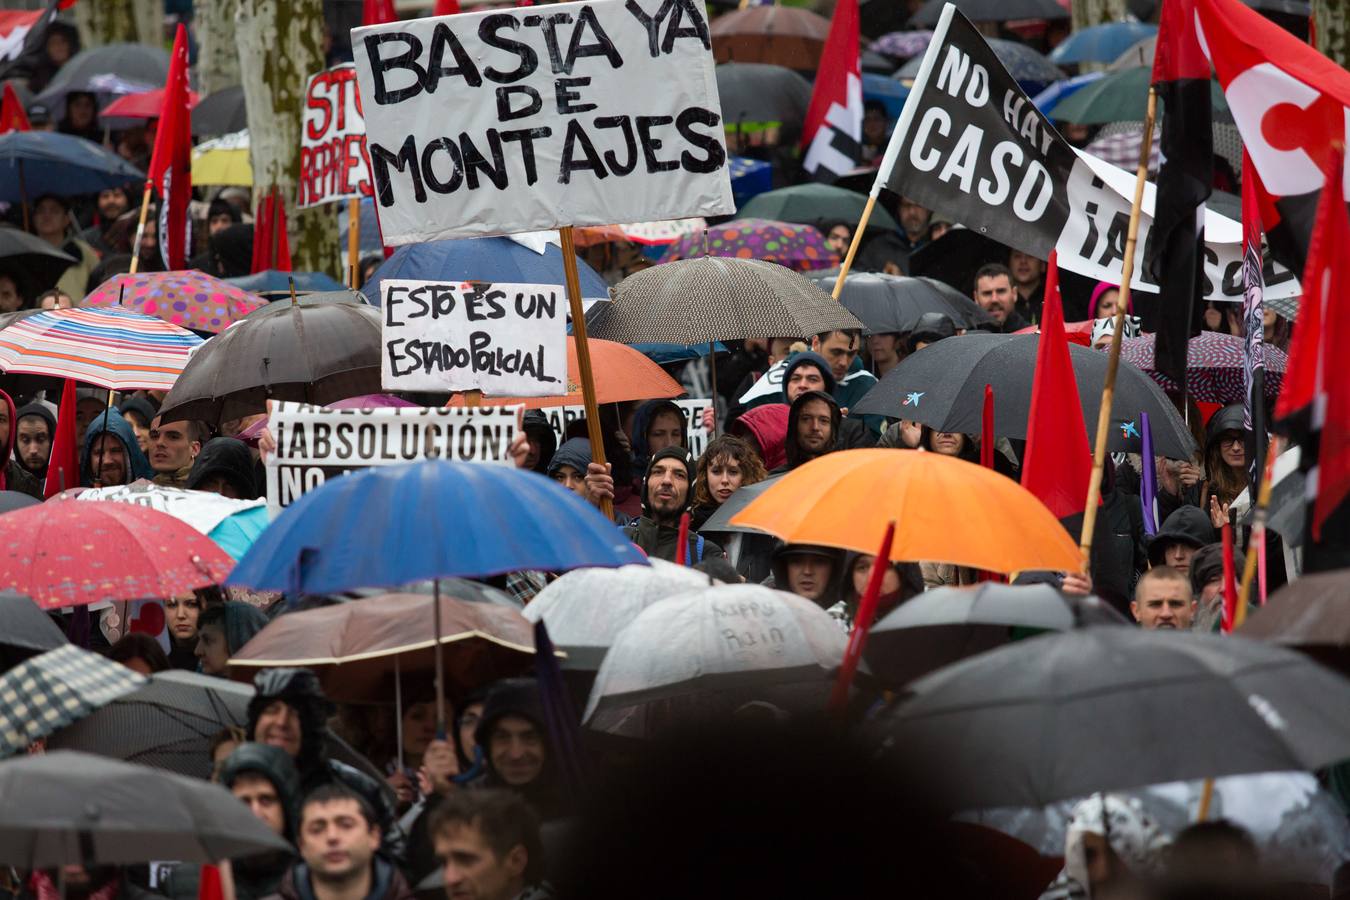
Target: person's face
{"x":779,"y":348}
{"x":535,"y":450}
{"x":884,"y":348}
{"x":724,"y":477}
{"x":1106,"y":303}
{"x":804,"y":378}
{"x":336,"y":841}
{"x":279,"y":726}
{"x":808,"y":575}
{"x":171,"y":447}
{"x":86,"y":408}
{"x":111,"y":204}
{"x":948,"y":444}
{"x":212,"y":650}
{"x":34,"y":442}
{"x":874,"y":126}
{"x":839,"y":349}
{"x":80,"y":110}
{"x":141,"y":429}
{"x":1211,"y":590}
{"x":419,"y":728}
{"x":4,"y":424}
{"x":150,"y":238}
{"x":182,"y":612}
{"x":1163,"y":604}
{"x":815,"y":426}
{"x":995,"y":295}
{"x":571,"y":479}
{"x":1268,"y":317}
{"x":913,"y":218}
{"x":1026,"y":269}
{"x":260,"y":796}
{"x":9,"y":295}
{"x":58,"y":48}
{"x":471,"y":869}
{"x":108,"y":459}
{"x":218,"y":223}
{"x":1178,"y":556}
{"x":468,"y":724}
{"x":516,"y":749}
{"x":838,"y":239}
{"x":57,"y":301}
{"x":665,"y":430}
{"x":1233,"y":449}
{"x":49,"y":218}
{"x":668,"y":487}
{"x":862,"y":571}
{"x":218,"y":484}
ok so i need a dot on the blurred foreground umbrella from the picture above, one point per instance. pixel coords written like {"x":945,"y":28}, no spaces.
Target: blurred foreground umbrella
{"x":222,"y":112}
{"x":1204,"y":705}
{"x":990,"y":11}
{"x":63,"y":808}
{"x":189,"y":299}
{"x":232,"y":524}
{"x":1122,"y":97}
{"x":34,"y":262}
{"x":777,"y":35}
{"x":1101,"y":43}
{"x":587,"y":608}
{"x":894,"y":303}
{"x":25,"y":630}
{"x":814,"y":204}
{"x":53,"y":689}
{"x":761,"y":99}
{"x":12,"y":500}
{"x":33,"y":163}
{"x":1214,"y":366}
{"x":799,"y":247}
{"x":109,"y":71}
{"x":223,"y":161}
{"x":711,"y":651}
{"x":1309,"y":614}
{"x":946,"y":509}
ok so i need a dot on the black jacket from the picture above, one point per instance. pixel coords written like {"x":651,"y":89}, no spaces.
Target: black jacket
{"x":387,"y":883}
{"x":660,"y":541}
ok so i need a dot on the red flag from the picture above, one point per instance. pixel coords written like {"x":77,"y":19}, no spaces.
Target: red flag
{"x":208,"y":885}
{"x":1058,"y":462}
{"x":987,"y":429}
{"x":378,"y":12}
{"x":63,"y":467}
{"x":446,"y":8}
{"x":171,"y":164}
{"x":1230,"y":588}
{"x":862,"y":622}
{"x":12,"y":116}
{"x":271,"y":248}
{"x":832,"y":137}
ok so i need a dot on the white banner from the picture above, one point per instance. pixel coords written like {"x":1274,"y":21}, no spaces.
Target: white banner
{"x":500,"y":338}
{"x":200,"y":509}
{"x":333,"y":163}
{"x":315,"y":444}
{"x":696,"y":436}
{"x":526,"y":119}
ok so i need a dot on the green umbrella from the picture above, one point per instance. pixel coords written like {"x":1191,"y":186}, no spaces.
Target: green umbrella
{"x":1121,"y":97}
{"x":813,"y":204}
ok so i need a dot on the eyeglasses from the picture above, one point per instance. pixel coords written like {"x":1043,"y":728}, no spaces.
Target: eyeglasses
{"x":1229,"y":441}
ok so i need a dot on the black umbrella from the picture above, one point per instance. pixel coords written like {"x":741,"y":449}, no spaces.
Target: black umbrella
{"x":304,"y":351}
{"x":12,"y":500}
{"x":939,"y":627}
{"x":62,"y":808}
{"x":222,"y":112}
{"x":35,"y":263}
{"x":955,"y":257}
{"x":1106,"y":708}
{"x":739,"y":500}
{"x":894,"y":303}
{"x":313,"y":298}
{"x":1308,"y":614}
{"x":990,"y":11}
{"x":942,"y":386}
{"x":108,"y":71}
{"x":25,"y":630}
{"x":755,"y":94}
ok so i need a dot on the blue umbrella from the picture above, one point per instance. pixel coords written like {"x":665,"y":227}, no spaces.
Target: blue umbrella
{"x":1056,"y":92}
{"x":749,"y":178}
{"x":665,"y":354}
{"x":481,"y":259}
{"x":890,"y":92}
{"x":1101,"y":43}
{"x":33,"y":163}
{"x":271,"y":281}
{"x":391,"y":525}
{"x":236,"y":533}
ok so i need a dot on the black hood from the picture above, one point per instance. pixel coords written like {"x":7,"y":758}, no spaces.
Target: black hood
{"x":795,"y":454}
{"x":41,"y":411}
{"x":931,"y":328}
{"x":575,"y":452}
{"x":690,"y":466}
{"x":273,"y":764}
{"x":536,"y":426}
{"x":229,"y":458}
{"x":300,"y":689}
{"x":517,"y":697}
{"x":834,"y":555}
{"x":1188,"y":525}
{"x":1229,"y":418}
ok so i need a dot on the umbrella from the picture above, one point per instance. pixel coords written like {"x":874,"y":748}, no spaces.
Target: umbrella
{"x":758,"y":97}
{"x":1214,"y":366}
{"x":814,"y":204}
{"x":481,"y":259}
{"x":941,"y":626}
{"x":1066,"y":715}
{"x":233,"y":524}
{"x":1056,"y":92}
{"x":314,"y":298}
{"x":34,"y":262}
{"x":1307,"y":614}
{"x":892,"y":303}
{"x":1121,"y":149}
{"x":115,"y":349}
{"x":144,"y":105}
{"x":955,"y":257}
{"x":33,"y":163}
{"x":990,"y":11}
{"x":902,"y":45}
{"x":800,"y":247}
{"x":942,"y":386}
{"x":649,"y":234}
{"x":512,"y":519}
{"x":749,"y":177}
{"x":223,"y":160}
{"x":700,"y":300}
{"x":109,"y":71}
{"x":71,"y":554}
{"x":55,"y":688}
{"x":305,"y":351}
{"x":25,"y":630}
{"x":1101,"y":43}
{"x":1141,"y":54}
{"x":64,"y":807}
{"x":357,"y":648}
{"x":777,"y":35}
{"x":1122,"y":97}
{"x":1029,"y":68}
{"x":12,"y":500}
{"x":720,"y":521}
{"x":712,"y":650}
{"x":459,"y":588}
{"x":189,"y":299}
{"x":945,"y":510}
{"x":890,"y":92}
{"x":621,"y":374}
{"x":586,"y":609}
{"x":221,"y":112}
{"x":270,"y":281}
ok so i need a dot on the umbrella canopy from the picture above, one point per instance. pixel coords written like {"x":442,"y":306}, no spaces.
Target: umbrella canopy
{"x":888,"y":304}
{"x":777,"y":35}
{"x":144,"y":105}
{"x":207,"y":513}
{"x":955,"y":257}
{"x":34,"y":263}
{"x":109,"y":71}
{"x":1121,"y":149}
{"x":305,"y":351}
{"x":510,"y":519}
{"x":223,"y":161}
{"x":1309,"y":614}
{"x":942,"y":386}
{"x":64,"y":806}
{"x":713,"y":649}
{"x":707,"y":299}
{"x":115,"y":349}
{"x":313,"y":298}
{"x":356,"y":648}
{"x":123,"y":552}
{"x":1061,"y":89}
{"x":720,"y":521}
{"x":1214,"y":366}
{"x":1141,"y":54}
{"x":189,"y":299}
{"x":621,"y":373}
{"x":649,"y":234}
{"x":762,"y":98}
{"x":902,"y":45}
{"x":1066,"y":715}
{"x":990,"y":11}
{"x":800,"y":247}
{"x":939,"y":627}
{"x":814,"y":204}
{"x":1122,"y":97}
{"x":270,"y":281}
{"x":587,"y":608}
{"x":1101,"y":43}
{"x":25,"y":630}
{"x":33,"y":163}
{"x":221,"y":112}
{"x":1030,"y":69}
{"x":55,"y":688}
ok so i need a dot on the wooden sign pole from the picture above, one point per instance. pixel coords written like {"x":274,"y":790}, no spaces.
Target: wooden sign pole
{"x":140,"y":228}
{"x":593,"y":429}
{"x":353,"y":242}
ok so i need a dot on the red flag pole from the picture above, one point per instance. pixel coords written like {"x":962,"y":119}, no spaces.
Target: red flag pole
{"x":857,"y":638}
{"x":682,"y":544}
{"x":987,"y":433}
{"x":1230,"y":591}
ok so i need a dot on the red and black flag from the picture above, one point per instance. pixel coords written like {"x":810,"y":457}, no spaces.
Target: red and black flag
{"x":171,"y":164}
{"x":1176,"y":254}
{"x":832,"y":136}
{"x":1254,"y":364}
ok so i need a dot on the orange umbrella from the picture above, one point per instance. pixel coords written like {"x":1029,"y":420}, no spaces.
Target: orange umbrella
{"x":621,"y":373}
{"x":945,"y":510}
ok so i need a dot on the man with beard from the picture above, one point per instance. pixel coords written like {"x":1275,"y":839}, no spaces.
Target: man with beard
{"x":666,"y":494}
{"x":1163,"y":599}
{"x":33,"y":449}
{"x":994,"y":292}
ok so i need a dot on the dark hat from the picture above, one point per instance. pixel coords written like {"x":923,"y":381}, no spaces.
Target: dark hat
{"x":1208,"y":563}
{"x":931,"y":328}
{"x":804,"y":358}
{"x":1187,"y":525}
{"x":672,"y":452}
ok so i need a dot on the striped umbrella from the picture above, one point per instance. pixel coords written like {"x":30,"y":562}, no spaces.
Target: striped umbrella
{"x":111,"y":348}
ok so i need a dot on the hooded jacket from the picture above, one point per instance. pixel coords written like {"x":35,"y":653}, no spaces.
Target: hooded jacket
{"x":13,"y":476}
{"x":1229,"y":418}
{"x":1188,"y":525}
{"x":140,"y":406}
{"x":659,"y":540}
{"x":38,"y":410}
{"x":575,"y":452}
{"x":537,"y":426}
{"x":852,"y":433}
{"x":242,"y":621}
{"x":230,"y":459}
{"x":386,"y":883}
{"x":137,"y":465}
{"x":795,"y":453}
{"x":642,"y":420}
{"x":273,"y":764}
{"x":766,"y":428}
{"x":808,"y":357}
{"x":520,"y":697}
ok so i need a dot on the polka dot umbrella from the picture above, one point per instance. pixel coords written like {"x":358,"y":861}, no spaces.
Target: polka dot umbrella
{"x":189,"y":299}
{"x":798,"y":247}
{"x":1214,"y":364}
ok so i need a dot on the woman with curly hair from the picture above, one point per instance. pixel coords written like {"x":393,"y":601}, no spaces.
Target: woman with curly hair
{"x":726,"y":465}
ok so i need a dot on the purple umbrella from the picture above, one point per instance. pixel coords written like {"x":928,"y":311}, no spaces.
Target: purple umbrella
{"x":1214,"y":363}
{"x":799,"y":247}
{"x":902,"y":44}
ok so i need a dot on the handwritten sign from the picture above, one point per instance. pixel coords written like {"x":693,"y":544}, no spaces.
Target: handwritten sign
{"x":333,"y":162}
{"x":696,"y":437}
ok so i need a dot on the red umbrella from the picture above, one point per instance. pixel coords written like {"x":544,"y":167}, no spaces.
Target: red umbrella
{"x":145,"y":105}
{"x":64,"y":553}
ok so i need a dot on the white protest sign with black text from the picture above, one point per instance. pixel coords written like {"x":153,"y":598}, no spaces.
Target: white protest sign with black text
{"x":315,"y":444}
{"x":525,"y":119}
{"x":500,"y":338}
{"x":333,"y":164}
{"x":696,"y":436}
{"x":971,"y":145}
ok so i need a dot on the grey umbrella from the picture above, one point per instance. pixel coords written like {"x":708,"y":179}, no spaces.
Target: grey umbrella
{"x":894,"y":303}
{"x":25,"y":630}
{"x":1103,"y":708}
{"x":70,"y":808}
{"x":739,"y":500}
{"x":53,"y":689}
{"x":752,"y":93}
{"x":108,"y":71}
{"x":221,"y":112}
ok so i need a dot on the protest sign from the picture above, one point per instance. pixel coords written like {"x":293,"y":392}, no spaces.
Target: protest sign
{"x":200,"y":509}
{"x":542,"y":117}
{"x":333,"y":161}
{"x":696,"y":436}
{"x":315,"y":444}
{"x":500,"y":338}
{"x":971,"y":145}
